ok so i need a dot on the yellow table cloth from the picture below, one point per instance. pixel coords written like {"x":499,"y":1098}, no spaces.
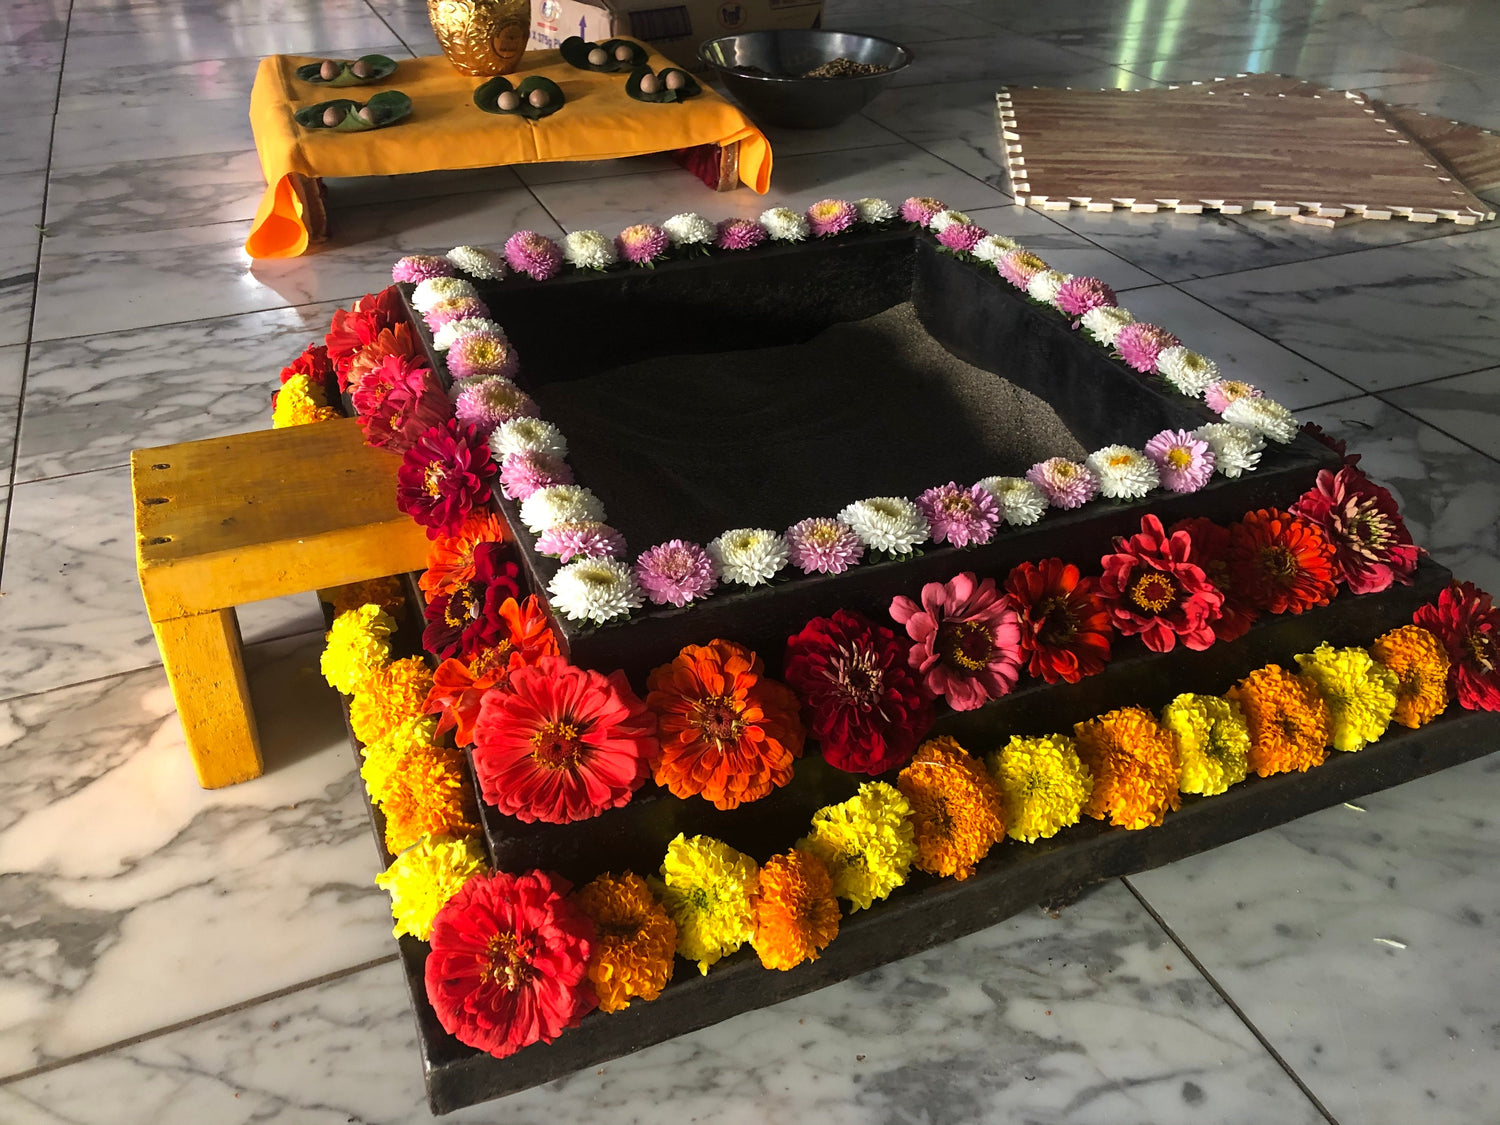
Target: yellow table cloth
{"x":447,"y":131}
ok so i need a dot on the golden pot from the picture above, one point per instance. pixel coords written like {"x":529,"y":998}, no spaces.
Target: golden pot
{"x":481,"y":37}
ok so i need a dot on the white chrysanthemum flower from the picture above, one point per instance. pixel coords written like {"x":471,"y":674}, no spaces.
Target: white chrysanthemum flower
{"x":690,"y":229}
{"x":1124,"y":473}
{"x":527,"y":435}
{"x":1236,"y":449}
{"x":596,"y":590}
{"x":945,"y":219}
{"x":873,"y":210}
{"x":1044,"y":286}
{"x":476,"y":261}
{"x":1264,"y":416}
{"x":887,"y":523}
{"x":784,"y":225}
{"x":435,"y":289}
{"x":991,"y":246}
{"x":444,"y":337}
{"x":560,"y":503}
{"x":750,"y":556}
{"x":1186,"y":370}
{"x":589,"y":250}
{"x":1021,"y":502}
{"x":1106,"y":321}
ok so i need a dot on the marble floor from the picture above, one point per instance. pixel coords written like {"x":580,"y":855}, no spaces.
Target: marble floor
{"x":174,"y":955}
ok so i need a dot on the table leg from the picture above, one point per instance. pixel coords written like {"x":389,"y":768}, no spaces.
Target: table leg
{"x":312,"y":194}
{"x":203,"y":658}
{"x":729,"y":167}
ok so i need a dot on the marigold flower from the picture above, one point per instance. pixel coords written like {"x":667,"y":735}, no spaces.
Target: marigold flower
{"x":386,"y":593}
{"x":706,"y":889}
{"x":394,"y":693}
{"x":1287,"y":717}
{"x":298,"y":403}
{"x":635,"y":940}
{"x":1134,"y":765}
{"x":796,"y":914}
{"x":357,"y":647}
{"x":1467,"y":623}
{"x":1360,"y":694}
{"x":866,"y":843}
{"x":1281,"y":563}
{"x":425,"y":876}
{"x":1213,"y":742}
{"x":1044,"y":784}
{"x":957,"y":810}
{"x":1420,"y":665}
{"x":427,"y":797}
{"x":408,"y":745}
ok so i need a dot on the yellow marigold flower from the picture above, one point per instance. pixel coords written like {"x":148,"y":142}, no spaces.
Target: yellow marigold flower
{"x":393,"y":694}
{"x":706,"y":888}
{"x":1420,"y":663}
{"x":409,"y":740}
{"x":1044,"y":784}
{"x":299,"y":402}
{"x":428,"y":796}
{"x":358,"y":646}
{"x":796,"y":915}
{"x":1360,"y":694}
{"x":425,"y":876}
{"x":958,"y":812}
{"x":1134,"y":765}
{"x":1287,"y":718}
{"x":866,"y":843}
{"x":635,"y":941}
{"x":383,"y":592}
{"x":1213,"y":743}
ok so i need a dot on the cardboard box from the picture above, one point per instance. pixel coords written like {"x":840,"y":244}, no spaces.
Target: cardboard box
{"x":673,"y":27}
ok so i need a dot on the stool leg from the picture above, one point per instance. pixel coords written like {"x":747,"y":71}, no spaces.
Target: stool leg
{"x":207,"y":673}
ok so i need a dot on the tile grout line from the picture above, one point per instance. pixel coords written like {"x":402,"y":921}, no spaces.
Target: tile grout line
{"x":376,"y":13}
{"x":1230,"y":1002}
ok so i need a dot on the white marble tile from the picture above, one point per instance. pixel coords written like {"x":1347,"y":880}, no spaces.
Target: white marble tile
{"x":85,"y":137}
{"x":12,"y":365}
{"x":21,"y":207}
{"x":134,"y":899}
{"x":1466,"y":406}
{"x":25,"y":137}
{"x":1003,"y":58}
{"x":854,"y":132}
{"x":566,"y":171}
{"x":1326,"y":59}
{"x":1459,"y":96}
{"x":158,"y":18}
{"x":148,"y":195}
{"x":17,"y":285}
{"x":912,"y":24}
{"x":1062,"y":250}
{"x":203,"y":39}
{"x":1091,"y":1018}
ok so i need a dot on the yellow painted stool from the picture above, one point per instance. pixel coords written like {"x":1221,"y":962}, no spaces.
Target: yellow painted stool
{"x":238,"y":519}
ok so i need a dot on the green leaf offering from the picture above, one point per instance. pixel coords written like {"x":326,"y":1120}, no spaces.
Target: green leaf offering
{"x":534,"y":98}
{"x":346,"y":116}
{"x":343,"y":72}
{"x":609,"y":57}
{"x":671,"y":85}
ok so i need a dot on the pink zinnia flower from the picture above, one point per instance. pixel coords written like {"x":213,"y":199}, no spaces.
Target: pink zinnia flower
{"x":1151,"y":589}
{"x":823,"y":545}
{"x":455,"y":308}
{"x":586,"y":540}
{"x":961,"y":516}
{"x":1066,"y":484}
{"x":490,"y":402}
{"x":642,"y":243}
{"x":1078,"y":295}
{"x":961,"y":237}
{"x":831,"y":216}
{"x":525,"y":472}
{"x":482,"y":353}
{"x":1372,"y":548}
{"x":1220,"y":394}
{"x":413,"y":404}
{"x":675,"y":573}
{"x":1184,"y":461}
{"x":419,"y":267}
{"x":1019,"y":266}
{"x":1139,"y":344}
{"x":443,"y":477}
{"x":739,"y":234}
{"x":535,"y":255}
{"x":967,"y":640}
{"x":920,"y":209}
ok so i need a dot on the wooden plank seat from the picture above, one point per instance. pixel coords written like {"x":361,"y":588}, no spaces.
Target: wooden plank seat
{"x":242,"y":518}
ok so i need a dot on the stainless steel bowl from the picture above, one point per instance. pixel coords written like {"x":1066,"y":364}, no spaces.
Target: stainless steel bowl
{"x":778,"y":96}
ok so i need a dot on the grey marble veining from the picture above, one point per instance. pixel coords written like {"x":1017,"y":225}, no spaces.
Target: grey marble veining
{"x":1466,"y":406}
{"x":158,"y":17}
{"x":17,"y":284}
{"x":147,"y":195}
{"x":12,"y":364}
{"x":21,"y":207}
{"x":84,"y":137}
{"x":1459,"y":95}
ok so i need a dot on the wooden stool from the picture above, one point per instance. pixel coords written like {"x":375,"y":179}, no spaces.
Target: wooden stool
{"x":238,"y":519}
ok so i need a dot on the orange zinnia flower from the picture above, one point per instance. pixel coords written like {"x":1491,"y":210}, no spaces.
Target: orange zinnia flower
{"x":1288,"y":720}
{"x":1421,"y":665}
{"x":796,"y":915}
{"x":1135,"y":766}
{"x":1281,"y":563}
{"x":458,"y":687}
{"x":450,"y":563}
{"x":728,"y":734}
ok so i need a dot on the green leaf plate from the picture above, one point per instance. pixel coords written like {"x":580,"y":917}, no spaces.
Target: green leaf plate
{"x":387,"y":107}
{"x":487,"y":96}
{"x":688,"y":89}
{"x":575,"y":52}
{"x":380,"y":67}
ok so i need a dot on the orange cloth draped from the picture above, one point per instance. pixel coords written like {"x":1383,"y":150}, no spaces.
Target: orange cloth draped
{"x":447,"y":131}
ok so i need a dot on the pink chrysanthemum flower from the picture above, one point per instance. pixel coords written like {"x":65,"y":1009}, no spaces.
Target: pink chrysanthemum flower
{"x":675,"y":573}
{"x":587,"y":539}
{"x":490,"y":402}
{"x":443,"y":477}
{"x":1066,"y":484}
{"x":642,"y":243}
{"x":739,"y":234}
{"x":920,"y":209}
{"x":961,"y":237}
{"x":535,"y":255}
{"x":962,"y":516}
{"x":524,"y":473}
{"x":823,"y":545}
{"x":1019,"y":266}
{"x":1221,"y":393}
{"x":1139,"y":344}
{"x":419,"y":267}
{"x":457,"y":308}
{"x":1078,"y":295}
{"x":481,"y":353}
{"x":1185,"y":462}
{"x":831,"y":216}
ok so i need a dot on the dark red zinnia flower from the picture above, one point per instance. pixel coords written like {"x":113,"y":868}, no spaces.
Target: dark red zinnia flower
{"x":353,"y":328}
{"x":1465,"y":620}
{"x":1371,"y":547}
{"x":1064,"y":624}
{"x":467,"y":618}
{"x":397,"y":401}
{"x":1280,"y":563}
{"x":1211,"y":552}
{"x":868,"y":707}
{"x":443,"y":477}
{"x":1152,"y":589}
{"x":1338,"y":445}
{"x":314,"y":363}
{"x":509,"y":962}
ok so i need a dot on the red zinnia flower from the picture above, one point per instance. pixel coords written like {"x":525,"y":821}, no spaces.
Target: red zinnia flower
{"x":509,"y":962}
{"x":466,"y":619}
{"x":458,"y":688}
{"x":1466,"y":621}
{"x":353,"y":328}
{"x":968,"y":641}
{"x":314,"y":363}
{"x":400,"y":341}
{"x":1211,"y":552}
{"x":562,"y":743}
{"x":1372,"y":548}
{"x":1152,"y":589}
{"x":868,"y":708}
{"x":1064,"y":625}
{"x":1280,"y":563}
{"x":397,"y":401}
{"x":444,"y":476}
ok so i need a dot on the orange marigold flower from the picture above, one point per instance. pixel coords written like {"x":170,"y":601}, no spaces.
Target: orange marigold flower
{"x":635,"y":940}
{"x":428,"y":796}
{"x":384,"y":592}
{"x":408,"y":747}
{"x":796,"y":915}
{"x":1421,"y":665}
{"x":394,"y":694}
{"x":728,"y":734}
{"x":957,"y":809}
{"x":458,"y":687}
{"x":1288,"y":720}
{"x":450,"y":562}
{"x":1134,"y":763}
